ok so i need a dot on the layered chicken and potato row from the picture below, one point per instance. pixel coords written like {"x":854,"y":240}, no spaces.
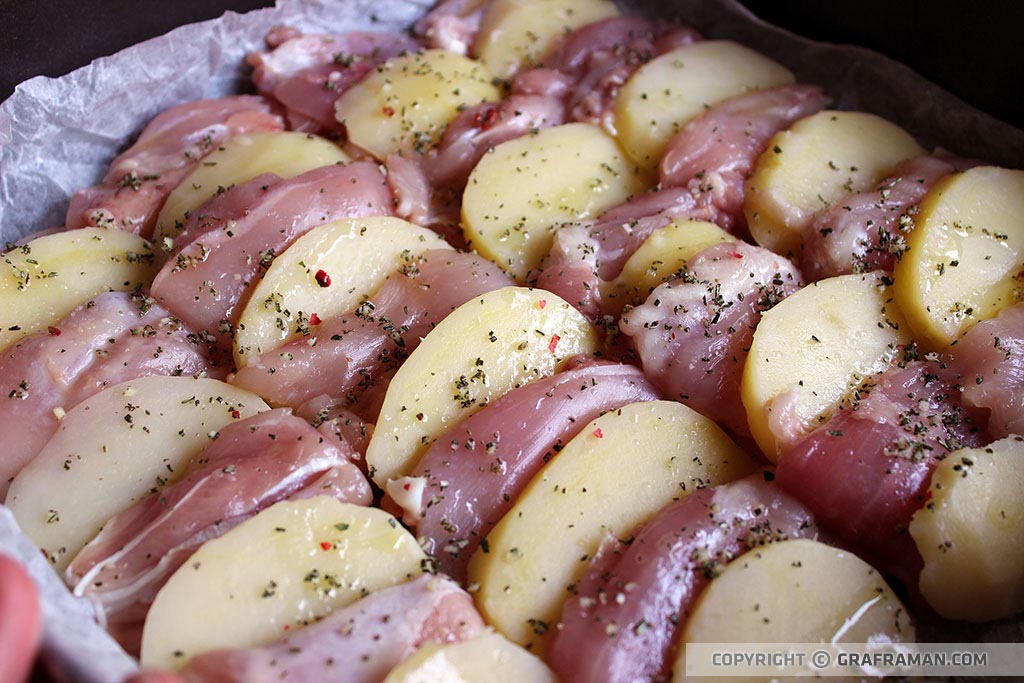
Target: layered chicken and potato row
{"x":531,"y":345}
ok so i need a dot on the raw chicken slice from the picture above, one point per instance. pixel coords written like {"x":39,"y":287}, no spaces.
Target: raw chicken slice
{"x":346,"y":482}
{"x":620,"y":624}
{"x":251,"y":465}
{"x":360,"y":643}
{"x":237,"y":234}
{"x":479,"y":129}
{"x":693,"y":333}
{"x":222,"y":210}
{"x":452,"y":25}
{"x":585,"y":254}
{"x":338,"y":424}
{"x":713,"y":154}
{"x":418,"y":201}
{"x":114,"y":338}
{"x":866,"y":471}
{"x":703,"y":173}
{"x":352,"y":358}
{"x":990,"y":357}
{"x":411,"y":189}
{"x":139,"y":180}
{"x":590,"y":65}
{"x":428,"y":191}
{"x":867,"y":231}
{"x":469,"y":478}
{"x":307,"y":73}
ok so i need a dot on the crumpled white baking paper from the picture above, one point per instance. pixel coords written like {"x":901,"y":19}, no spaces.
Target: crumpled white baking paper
{"x":58,"y":135}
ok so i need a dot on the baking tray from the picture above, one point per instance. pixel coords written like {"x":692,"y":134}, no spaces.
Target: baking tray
{"x":856,"y":78}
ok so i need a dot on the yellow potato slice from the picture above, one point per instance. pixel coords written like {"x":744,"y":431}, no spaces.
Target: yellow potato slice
{"x":520,"y":193}
{"x":47,"y":278}
{"x":357,"y":254}
{"x":815,"y":347}
{"x":660,"y":258}
{"x":114,"y":448}
{"x":516,"y":34}
{"x":620,"y":470}
{"x":969,"y":533}
{"x":489,"y":658}
{"x":658,"y":100}
{"x":483,"y":349}
{"x":798,"y":591}
{"x":966,"y":257}
{"x":405,"y":105}
{"x":237,"y":160}
{"x":818,"y":161}
{"x":286,"y":567}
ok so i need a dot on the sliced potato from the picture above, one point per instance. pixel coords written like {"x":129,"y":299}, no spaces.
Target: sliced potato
{"x":114,"y":448}
{"x":405,"y":105}
{"x":966,"y":257}
{"x":355,"y":254}
{"x":286,"y":567}
{"x":239,"y":159}
{"x":798,"y":591}
{"x":516,"y":34}
{"x":658,"y":100}
{"x":47,"y":278}
{"x":480,"y":351}
{"x":489,"y":658}
{"x":521,"y":192}
{"x":660,"y":258}
{"x":818,"y":161}
{"x":969,"y":533}
{"x":813,"y":348}
{"x":620,"y":470}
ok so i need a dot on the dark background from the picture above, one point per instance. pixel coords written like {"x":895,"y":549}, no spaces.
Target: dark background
{"x":973,"y":49}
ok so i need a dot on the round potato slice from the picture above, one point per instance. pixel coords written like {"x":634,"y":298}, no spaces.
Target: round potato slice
{"x":658,"y":100}
{"x":114,"y":448}
{"x":660,"y":258}
{"x":328,"y":271}
{"x":489,"y":658}
{"x":480,"y":351}
{"x":47,"y":278}
{"x":818,"y":161}
{"x":237,"y":160}
{"x":406,"y":103}
{"x":812,"y":349}
{"x":969,"y":533}
{"x":798,"y":591}
{"x":516,"y":34}
{"x":615,"y":474}
{"x":292,"y":563}
{"x":526,"y":188}
{"x":966,"y":256}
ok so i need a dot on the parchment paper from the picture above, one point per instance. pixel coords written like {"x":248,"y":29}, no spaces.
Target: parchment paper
{"x":75,"y":647}
{"x":59,"y":135}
